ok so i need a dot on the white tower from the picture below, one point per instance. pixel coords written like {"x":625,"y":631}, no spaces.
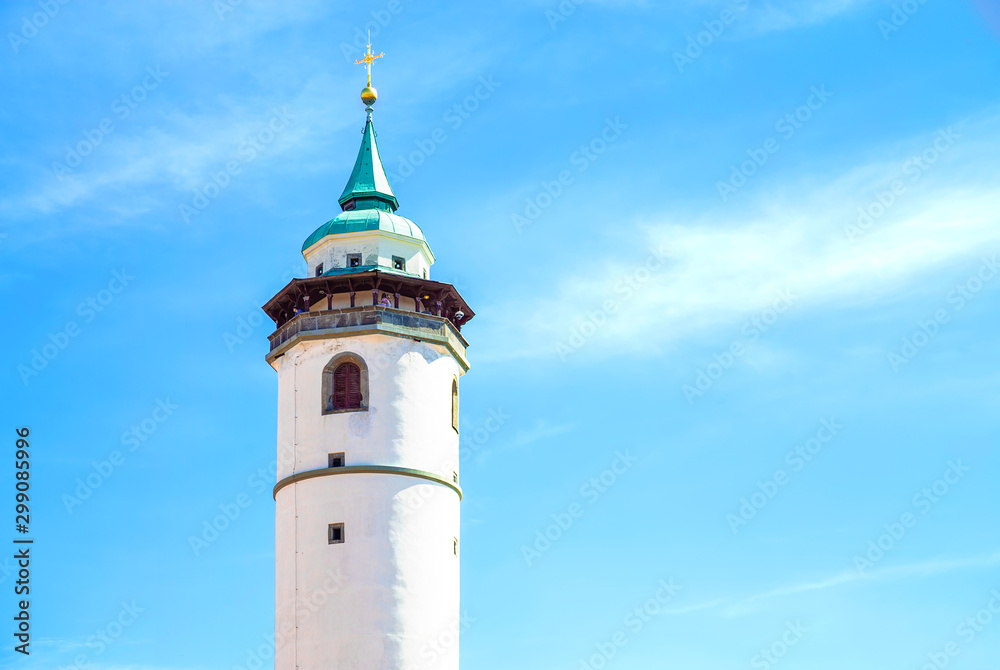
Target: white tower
{"x":368,"y":352}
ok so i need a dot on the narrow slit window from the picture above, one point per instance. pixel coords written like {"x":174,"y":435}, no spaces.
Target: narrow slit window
{"x":454,"y":545}
{"x":336,"y":533}
{"x":454,"y":404}
{"x":336,"y":460}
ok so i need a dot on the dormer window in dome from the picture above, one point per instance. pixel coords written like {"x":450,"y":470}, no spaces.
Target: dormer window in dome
{"x":350,"y":206}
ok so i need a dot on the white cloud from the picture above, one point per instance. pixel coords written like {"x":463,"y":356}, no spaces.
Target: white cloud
{"x":927,"y":568}
{"x":541,"y":430}
{"x":178,"y":149}
{"x":923,"y":569}
{"x":759,"y":17}
{"x":131,"y":167}
{"x":726,"y":267}
{"x":774,"y":16}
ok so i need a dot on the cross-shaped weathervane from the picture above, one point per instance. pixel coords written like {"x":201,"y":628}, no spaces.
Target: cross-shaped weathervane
{"x":369,"y":59}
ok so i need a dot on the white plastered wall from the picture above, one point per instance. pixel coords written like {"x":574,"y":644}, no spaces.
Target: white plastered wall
{"x":375,"y":247}
{"x":396,"y":588}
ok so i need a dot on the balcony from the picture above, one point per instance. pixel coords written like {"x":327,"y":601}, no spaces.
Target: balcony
{"x":371,"y":319}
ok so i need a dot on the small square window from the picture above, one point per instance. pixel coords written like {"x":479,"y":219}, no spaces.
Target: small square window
{"x":398,"y":263}
{"x":319,"y":269}
{"x":336,"y":533}
{"x":336,"y":460}
{"x":353,"y":260}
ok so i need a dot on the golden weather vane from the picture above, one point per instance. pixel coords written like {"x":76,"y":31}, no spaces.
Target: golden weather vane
{"x":369,"y":94}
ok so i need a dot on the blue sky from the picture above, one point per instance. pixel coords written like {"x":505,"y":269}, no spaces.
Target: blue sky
{"x":705,"y":241}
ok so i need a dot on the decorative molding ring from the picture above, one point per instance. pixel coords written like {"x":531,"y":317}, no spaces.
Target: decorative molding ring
{"x":366,"y":469}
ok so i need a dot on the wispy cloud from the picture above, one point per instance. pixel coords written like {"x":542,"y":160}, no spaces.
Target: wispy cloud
{"x":694,"y":608}
{"x":937,"y":566}
{"x":141,"y":167}
{"x":541,"y":430}
{"x":180,"y":156}
{"x":775,"y":16}
{"x":802,"y":239}
{"x":761,"y":17}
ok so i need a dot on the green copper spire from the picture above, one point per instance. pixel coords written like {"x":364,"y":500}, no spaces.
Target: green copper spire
{"x":368,"y":187}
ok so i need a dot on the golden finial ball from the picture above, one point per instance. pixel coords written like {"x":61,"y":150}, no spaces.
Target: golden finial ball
{"x":369,"y":95}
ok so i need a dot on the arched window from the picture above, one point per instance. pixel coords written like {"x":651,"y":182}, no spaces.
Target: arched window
{"x":454,"y":403}
{"x":345,"y":384}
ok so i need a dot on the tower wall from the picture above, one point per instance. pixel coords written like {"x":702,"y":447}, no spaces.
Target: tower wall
{"x":388,"y":596}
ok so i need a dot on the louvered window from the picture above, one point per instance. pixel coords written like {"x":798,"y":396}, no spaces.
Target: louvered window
{"x":347,"y":386}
